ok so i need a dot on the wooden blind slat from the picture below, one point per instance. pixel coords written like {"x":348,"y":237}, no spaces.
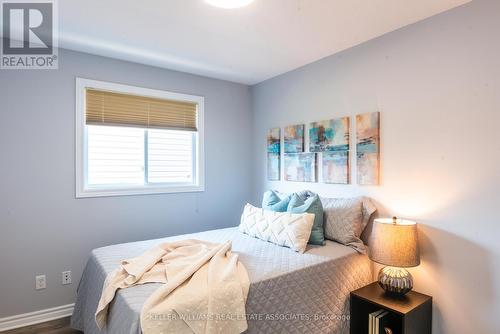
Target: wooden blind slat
{"x":116,"y":109}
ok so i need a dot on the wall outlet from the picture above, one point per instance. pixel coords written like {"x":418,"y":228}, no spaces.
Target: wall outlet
{"x":66,"y":277}
{"x":40,"y":282}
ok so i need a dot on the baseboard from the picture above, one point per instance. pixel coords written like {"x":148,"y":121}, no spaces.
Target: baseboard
{"x":37,"y":317}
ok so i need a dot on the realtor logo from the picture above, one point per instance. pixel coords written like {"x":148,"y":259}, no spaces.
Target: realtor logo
{"x":29,"y":35}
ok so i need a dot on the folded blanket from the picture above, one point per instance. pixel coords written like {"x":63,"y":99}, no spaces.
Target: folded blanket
{"x":205,"y":288}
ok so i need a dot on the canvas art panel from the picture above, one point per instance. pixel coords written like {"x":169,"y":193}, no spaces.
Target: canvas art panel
{"x":294,"y":138}
{"x":274,"y":140}
{"x":368,"y":148}
{"x":300,"y":167}
{"x":336,"y":167}
{"x":330,"y":135}
{"x":273,"y":166}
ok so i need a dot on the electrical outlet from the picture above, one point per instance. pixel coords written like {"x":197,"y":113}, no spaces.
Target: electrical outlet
{"x":66,"y":277}
{"x":40,"y":282}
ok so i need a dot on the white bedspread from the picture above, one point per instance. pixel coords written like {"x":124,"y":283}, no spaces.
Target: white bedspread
{"x":204,"y":289}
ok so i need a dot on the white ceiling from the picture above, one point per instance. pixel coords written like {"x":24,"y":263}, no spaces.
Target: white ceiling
{"x":246,"y":45}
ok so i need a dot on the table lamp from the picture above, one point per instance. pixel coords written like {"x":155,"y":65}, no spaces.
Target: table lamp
{"x":394,"y":243}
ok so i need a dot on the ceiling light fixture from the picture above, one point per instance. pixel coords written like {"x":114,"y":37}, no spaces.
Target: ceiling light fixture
{"x":229,"y":4}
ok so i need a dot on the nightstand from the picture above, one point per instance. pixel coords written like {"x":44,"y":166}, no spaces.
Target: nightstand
{"x":410,"y":314}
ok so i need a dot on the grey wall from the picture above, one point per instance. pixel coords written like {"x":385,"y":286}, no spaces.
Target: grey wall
{"x":45,"y":230}
{"x":436,"y":84}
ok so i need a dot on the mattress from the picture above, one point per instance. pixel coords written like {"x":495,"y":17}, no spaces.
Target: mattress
{"x":289,"y":292}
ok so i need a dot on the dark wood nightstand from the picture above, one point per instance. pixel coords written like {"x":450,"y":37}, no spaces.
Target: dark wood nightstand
{"x":410,"y":314}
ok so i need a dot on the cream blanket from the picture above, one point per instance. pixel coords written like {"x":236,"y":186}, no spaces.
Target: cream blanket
{"x":205,"y":288}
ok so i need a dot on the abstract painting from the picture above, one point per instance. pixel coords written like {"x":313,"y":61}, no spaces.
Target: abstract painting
{"x":294,"y":139}
{"x":273,"y":140}
{"x":273,"y":166}
{"x":300,"y":167}
{"x":336,"y":167}
{"x":368,"y":148}
{"x":328,"y":136}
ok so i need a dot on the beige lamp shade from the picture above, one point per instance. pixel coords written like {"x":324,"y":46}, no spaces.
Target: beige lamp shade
{"x":394,"y":243}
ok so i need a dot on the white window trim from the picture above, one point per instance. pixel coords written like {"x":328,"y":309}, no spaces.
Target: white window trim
{"x":83,"y":191}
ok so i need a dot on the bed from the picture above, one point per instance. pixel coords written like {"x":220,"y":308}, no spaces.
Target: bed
{"x":289,"y":292}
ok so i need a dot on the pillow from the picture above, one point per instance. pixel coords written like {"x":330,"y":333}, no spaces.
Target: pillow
{"x":368,"y":210}
{"x":311,"y":205}
{"x":345,"y":220}
{"x":271,"y":201}
{"x":281,"y":228}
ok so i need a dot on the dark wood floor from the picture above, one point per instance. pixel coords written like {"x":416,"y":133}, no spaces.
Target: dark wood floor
{"x":60,"y":326}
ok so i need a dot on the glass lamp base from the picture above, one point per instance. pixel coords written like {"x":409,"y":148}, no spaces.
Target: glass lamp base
{"x":396,"y":281}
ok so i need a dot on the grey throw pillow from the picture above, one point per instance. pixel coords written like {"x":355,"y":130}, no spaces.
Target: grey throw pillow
{"x":345,"y":219}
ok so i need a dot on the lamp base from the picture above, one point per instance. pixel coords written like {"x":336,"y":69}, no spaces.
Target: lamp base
{"x":395,"y":281}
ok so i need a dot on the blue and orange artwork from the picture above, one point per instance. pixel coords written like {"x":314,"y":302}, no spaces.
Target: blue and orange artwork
{"x":273,"y":140}
{"x":368,"y":148}
{"x":336,"y":167}
{"x":294,"y":138}
{"x":300,"y":167}
{"x":329,"y":136}
{"x":273,"y":166}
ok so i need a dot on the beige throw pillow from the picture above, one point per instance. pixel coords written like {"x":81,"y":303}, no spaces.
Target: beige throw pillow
{"x":345,"y":220}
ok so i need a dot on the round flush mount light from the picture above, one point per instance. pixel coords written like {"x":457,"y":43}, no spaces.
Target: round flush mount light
{"x":229,"y":4}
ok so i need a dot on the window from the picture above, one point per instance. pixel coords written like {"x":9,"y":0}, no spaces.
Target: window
{"x":134,"y":140}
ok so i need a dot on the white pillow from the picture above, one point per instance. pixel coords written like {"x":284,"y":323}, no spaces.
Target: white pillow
{"x":281,"y":228}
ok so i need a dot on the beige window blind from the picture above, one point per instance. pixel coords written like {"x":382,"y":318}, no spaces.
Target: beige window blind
{"x":116,"y":109}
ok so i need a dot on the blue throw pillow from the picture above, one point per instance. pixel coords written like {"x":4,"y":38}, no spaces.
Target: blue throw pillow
{"x":311,"y":205}
{"x":271,"y":201}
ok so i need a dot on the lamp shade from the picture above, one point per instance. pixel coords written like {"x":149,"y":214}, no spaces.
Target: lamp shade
{"x":394,"y":243}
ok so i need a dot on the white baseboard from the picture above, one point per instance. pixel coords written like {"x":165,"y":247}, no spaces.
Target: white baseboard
{"x":37,"y":317}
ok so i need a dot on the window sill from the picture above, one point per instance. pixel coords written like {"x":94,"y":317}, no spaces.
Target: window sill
{"x":130,"y":191}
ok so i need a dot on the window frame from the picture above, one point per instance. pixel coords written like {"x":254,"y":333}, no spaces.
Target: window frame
{"x":82,"y":188}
